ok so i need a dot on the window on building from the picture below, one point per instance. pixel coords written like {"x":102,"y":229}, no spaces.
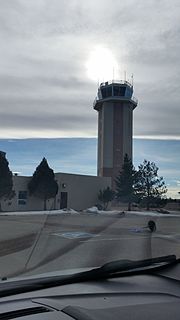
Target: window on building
{"x":22,"y":197}
{"x":21,"y":202}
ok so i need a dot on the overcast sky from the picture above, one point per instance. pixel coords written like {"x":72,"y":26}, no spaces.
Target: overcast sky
{"x":46,"y":48}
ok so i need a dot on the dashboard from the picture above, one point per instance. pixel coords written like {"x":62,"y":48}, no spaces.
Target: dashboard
{"x":151,"y":296}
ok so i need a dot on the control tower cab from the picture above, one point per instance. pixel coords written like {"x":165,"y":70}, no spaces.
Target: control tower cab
{"x":115,"y":104}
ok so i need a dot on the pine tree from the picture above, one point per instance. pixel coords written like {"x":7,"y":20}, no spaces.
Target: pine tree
{"x":43,"y":184}
{"x":150,"y":186}
{"x":106,"y":196}
{"x":126,"y":183}
{"x":6,"y":179}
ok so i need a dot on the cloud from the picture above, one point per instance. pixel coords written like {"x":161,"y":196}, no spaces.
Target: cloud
{"x":45,"y":45}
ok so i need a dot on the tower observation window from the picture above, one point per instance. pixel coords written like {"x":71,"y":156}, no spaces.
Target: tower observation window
{"x":119,"y":91}
{"x":106,"y":92}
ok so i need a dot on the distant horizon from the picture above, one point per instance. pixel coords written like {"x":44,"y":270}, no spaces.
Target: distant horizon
{"x":93,"y":137}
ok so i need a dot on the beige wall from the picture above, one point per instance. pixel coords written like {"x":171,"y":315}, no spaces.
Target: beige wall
{"x":81,"y":191}
{"x":20,"y":183}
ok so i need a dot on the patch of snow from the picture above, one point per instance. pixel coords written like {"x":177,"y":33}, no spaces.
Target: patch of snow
{"x":67,"y":210}
{"x":151,"y":214}
{"x":24,"y":213}
{"x":48,"y":212}
{"x":92,"y":210}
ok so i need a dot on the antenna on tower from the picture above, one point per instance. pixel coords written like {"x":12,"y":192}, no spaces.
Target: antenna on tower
{"x":132,"y":79}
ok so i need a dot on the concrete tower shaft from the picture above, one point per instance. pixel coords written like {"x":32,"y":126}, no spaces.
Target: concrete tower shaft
{"x":115,"y":105}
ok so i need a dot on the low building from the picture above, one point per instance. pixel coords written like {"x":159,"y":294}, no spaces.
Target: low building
{"x":75,"y":191}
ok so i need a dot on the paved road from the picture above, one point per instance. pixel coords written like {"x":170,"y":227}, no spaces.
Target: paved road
{"x":35,"y":244}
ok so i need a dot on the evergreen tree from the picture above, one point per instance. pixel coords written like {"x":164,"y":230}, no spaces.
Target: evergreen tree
{"x":126,"y":183}
{"x":43,"y":184}
{"x":150,"y":186}
{"x":6,"y":179}
{"x":106,"y":196}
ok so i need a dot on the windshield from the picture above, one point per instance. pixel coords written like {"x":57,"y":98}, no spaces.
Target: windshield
{"x":89,"y":134}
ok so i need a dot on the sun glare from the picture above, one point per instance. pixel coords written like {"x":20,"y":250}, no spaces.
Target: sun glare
{"x":101,"y":64}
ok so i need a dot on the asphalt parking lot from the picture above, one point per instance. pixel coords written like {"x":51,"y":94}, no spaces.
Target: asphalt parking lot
{"x":31,"y":244}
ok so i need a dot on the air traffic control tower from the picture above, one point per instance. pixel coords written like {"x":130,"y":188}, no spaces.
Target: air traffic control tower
{"x":115,"y":104}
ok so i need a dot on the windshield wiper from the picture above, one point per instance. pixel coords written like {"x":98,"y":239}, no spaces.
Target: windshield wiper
{"x":130,"y":265}
{"x":108,"y":270}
